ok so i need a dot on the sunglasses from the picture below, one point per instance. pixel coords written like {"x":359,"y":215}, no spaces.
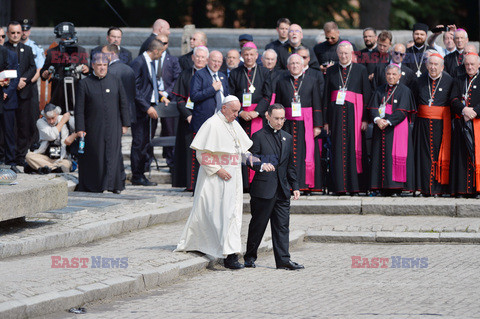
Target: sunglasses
{"x":399,"y":53}
{"x":330,"y":38}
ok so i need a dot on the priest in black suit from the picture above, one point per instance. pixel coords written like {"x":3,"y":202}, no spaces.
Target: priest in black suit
{"x":455,"y":59}
{"x":415,"y":58}
{"x":114,"y":36}
{"x":270,"y":190}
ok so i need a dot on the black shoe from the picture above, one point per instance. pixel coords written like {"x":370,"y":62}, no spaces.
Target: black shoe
{"x":44,"y":170}
{"x":15,"y":169}
{"x":27,"y":169}
{"x":116,"y":191}
{"x":290,"y":266}
{"x":143,"y":181}
{"x":233,"y":265}
{"x":250,"y":264}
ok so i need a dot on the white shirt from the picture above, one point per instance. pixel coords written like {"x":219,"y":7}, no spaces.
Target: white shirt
{"x":149,"y":66}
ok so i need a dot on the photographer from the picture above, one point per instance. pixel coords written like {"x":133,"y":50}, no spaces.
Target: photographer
{"x":65,"y":65}
{"x":55,"y":136}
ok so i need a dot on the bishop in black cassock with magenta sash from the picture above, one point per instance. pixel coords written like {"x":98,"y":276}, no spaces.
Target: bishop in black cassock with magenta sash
{"x":432,"y":129}
{"x":300,"y":96}
{"x":347,"y":92}
{"x":392,"y":145}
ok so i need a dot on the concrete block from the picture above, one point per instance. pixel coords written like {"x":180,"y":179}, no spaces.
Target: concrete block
{"x":11,"y":249}
{"x":393,"y":237}
{"x":466,"y":238}
{"x":52,"y":302}
{"x":333,"y":236}
{"x":33,"y":244}
{"x":31,"y":195}
{"x":13,"y":309}
{"x":191,"y":266}
{"x":166,"y":274}
{"x":92,"y":292}
{"x":409,"y":206}
{"x":468,"y":208}
{"x":150,"y":279}
{"x":122,"y":285}
{"x":326,"y":206}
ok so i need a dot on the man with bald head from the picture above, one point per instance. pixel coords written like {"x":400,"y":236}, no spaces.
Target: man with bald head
{"x":300,"y":95}
{"x":455,"y":59}
{"x":295,"y":36}
{"x":207,"y":90}
{"x":198,"y":38}
{"x":397,"y":55}
{"x":326,"y":52}
{"x":465,"y":175}
{"x":432,"y":128}
{"x":232,"y":61}
{"x":347,"y":93}
{"x":460,"y":70}
{"x":159,"y":27}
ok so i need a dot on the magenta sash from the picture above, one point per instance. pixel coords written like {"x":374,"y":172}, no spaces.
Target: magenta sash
{"x":399,"y":149}
{"x":307,"y":118}
{"x":357,"y":100}
{"x":257,"y":124}
{"x":274,"y":95}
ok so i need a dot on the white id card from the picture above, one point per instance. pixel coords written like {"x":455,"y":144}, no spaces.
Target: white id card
{"x":189,"y":104}
{"x":247,"y":99}
{"x":341,"y":97}
{"x":381,"y":111}
{"x":296,"y":109}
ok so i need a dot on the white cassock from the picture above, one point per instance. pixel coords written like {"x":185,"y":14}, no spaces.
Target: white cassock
{"x":215,"y":221}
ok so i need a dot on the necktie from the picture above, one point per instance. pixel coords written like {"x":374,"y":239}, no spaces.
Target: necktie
{"x":155,"y":84}
{"x":218,"y":95}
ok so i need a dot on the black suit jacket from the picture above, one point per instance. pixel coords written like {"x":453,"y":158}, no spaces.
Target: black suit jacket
{"x":9,"y":62}
{"x":146,"y":43}
{"x":265,"y":184}
{"x":186,"y":61}
{"x":124,"y":54}
{"x":170,"y":72}
{"x":26,"y":68}
{"x":127,"y":77}
{"x":143,"y":85}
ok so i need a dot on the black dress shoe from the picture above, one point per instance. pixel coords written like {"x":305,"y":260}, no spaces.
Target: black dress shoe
{"x":15,"y":169}
{"x":149,"y":183}
{"x":291,"y":265}
{"x":116,"y":191}
{"x":233,"y":265}
{"x":250,"y":264}
{"x":44,"y":170}
{"x":143,"y":182}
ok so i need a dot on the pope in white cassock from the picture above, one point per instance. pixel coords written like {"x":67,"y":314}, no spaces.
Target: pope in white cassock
{"x":215,"y":221}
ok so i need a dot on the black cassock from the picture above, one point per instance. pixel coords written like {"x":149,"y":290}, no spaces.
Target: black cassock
{"x":462,"y":167}
{"x":101,"y":110}
{"x":239,"y":82}
{"x":408,"y":77}
{"x":382,"y":165}
{"x":310,"y":99}
{"x":349,"y":163}
{"x":415,"y":59}
{"x":428,"y":132}
{"x":185,"y":169}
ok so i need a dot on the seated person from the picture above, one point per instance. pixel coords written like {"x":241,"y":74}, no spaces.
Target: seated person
{"x":55,"y":136}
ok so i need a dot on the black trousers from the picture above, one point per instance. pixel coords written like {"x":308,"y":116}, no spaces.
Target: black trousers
{"x":138,"y":152}
{"x":7,"y":137}
{"x":168,"y":129}
{"x":277,"y":210}
{"x":26,"y":115}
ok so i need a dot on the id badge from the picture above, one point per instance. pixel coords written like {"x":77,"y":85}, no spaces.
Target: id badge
{"x":341,"y":97}
{"x":247,"y":99}
{"x":296,"y":109}
{"x":189,"y":104}
{"x":381,"y":111}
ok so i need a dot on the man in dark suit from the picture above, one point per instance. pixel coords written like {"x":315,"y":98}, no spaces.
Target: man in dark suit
{"x":8,"y":105}
{"x":282,"y":29}
{"x":159,"y":27}
{"x":25,"y":91}
{"x":114,"y":36}
{"x":275,"y":175}
{"x":207,"y":90}
{"x":295,"y":36}
{"x":146,"y":98}
{"x":199,"y":38}
{"x":125,"y":74}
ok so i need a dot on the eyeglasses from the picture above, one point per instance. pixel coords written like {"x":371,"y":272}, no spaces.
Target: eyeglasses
{"x":330,"y":38}
{"x":294,"y":31}
{"x":399,"y":53}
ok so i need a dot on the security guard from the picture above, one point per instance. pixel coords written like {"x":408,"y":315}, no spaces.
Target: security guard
{"x":38,"y":52}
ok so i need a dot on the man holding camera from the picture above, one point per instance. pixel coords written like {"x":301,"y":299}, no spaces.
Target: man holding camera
{"x":64,"y":66}
{"x":54,"y":136}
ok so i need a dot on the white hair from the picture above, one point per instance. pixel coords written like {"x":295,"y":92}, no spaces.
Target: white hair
{"x":345,"y":44}
{"x":201,"y":48}
{"x":272,"y":51}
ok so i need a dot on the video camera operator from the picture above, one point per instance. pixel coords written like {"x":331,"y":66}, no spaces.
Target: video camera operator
{"x":64,"y":65}
{"x":55,"y":135}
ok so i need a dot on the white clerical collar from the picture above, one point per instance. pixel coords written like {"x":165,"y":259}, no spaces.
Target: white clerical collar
{"x":14,"y":45}
{"x":113,"y":61}
{"x":451,"y":51}
{"x":284,"y":41}
{"x":419,"y":48}
{"x":438,"y":77}
{"x":251,"y":67}
{"x":305,"y":69}
{"x":296,"y":76}
{"x":459,"y":51}
{"x":97,"y":75}
{"x":220,"y":114}
{"x":345,"y":65}
{"x":274,"y":130}
{"x":373,"y":48}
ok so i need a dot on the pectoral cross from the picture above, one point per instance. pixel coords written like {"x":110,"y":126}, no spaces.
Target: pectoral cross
{"x":430,"y":101}
{"x":418,"y":73}
{"x":251,"y":88}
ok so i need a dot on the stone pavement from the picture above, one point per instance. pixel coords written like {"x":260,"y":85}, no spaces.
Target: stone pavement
{"x":327,"y":288}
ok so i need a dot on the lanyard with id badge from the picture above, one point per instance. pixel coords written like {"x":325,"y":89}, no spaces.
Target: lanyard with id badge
{"x":342,"y":90}
{"x":247,"y":96}
{"x":383,"y":106}
{"x":296,"y":103}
